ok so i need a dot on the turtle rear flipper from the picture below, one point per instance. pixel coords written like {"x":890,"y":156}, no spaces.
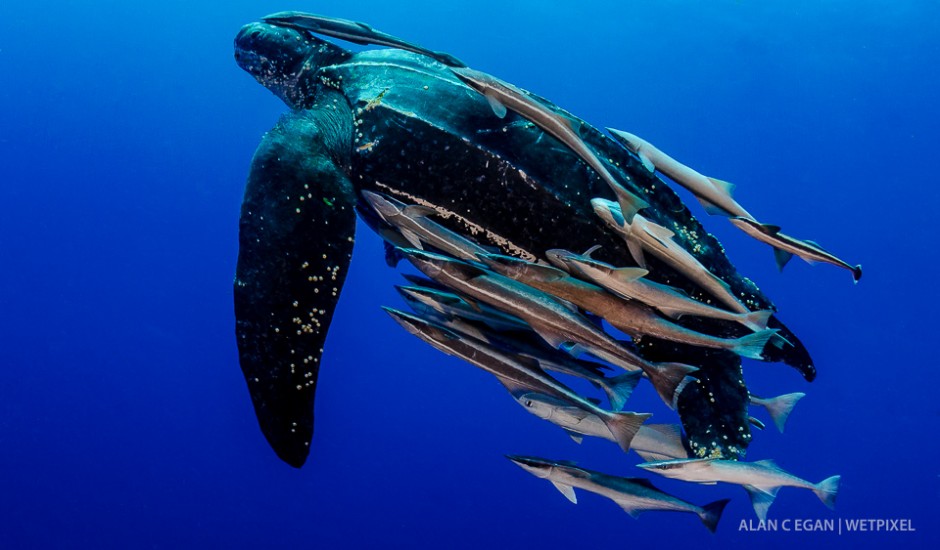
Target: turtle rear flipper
{"x":295,"y":243}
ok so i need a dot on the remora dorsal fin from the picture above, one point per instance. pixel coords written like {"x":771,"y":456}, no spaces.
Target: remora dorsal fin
{"x":641,"y":481}
{"x":725,"y":187}
{"x":592,"y":250}
{"x":767,"y":463}
{"x":283,"y":304}
{"x":545,"y":272}
{"x":418,"y":211}
{"x":770,"y":229}
{"x":629,"y":274}
{"x":662,"y":234}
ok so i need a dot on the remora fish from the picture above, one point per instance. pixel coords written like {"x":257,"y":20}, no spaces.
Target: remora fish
{"x":761,"y":479}
{"x":631,"y":283}
{"x":412,"y":223}
{"x":652,"y":442}
{"x":634,"y":495}
{"x":641,"y":234}
{"x":555,"y":323}
{"x":618,"y":388}
{"x":631,"y":317}
{"x":503,"y":95}
{"x":715,"y":195}
{"x":785,"y":246}
{"x":517,"y":374}
{"x":567,"y":415}
{"x":355,"y":32}
{"x":423,"y":299}
{"x":778,"y":407}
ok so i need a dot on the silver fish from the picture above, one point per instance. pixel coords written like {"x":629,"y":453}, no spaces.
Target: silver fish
{"x":778,"y":407}
{"x":761,"y":479}
{"x":412,"y":222}
{"x":631,"y":317}
{"x":652,"y":441}
{"x":618,"y":388}
{"x":715,"y":195}
{"x":642,"y":234}
{"x":519,"y":375}
{"x":634,"y":495}
{"x":555,"y":323}
{"x":353,"y":31}
{"x":785,"y":246}
{"x":631,"y":283}
{"x":423,"y":299}
{"x":502,"y":95}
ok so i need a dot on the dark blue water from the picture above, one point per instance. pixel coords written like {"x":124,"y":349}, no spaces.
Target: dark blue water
{"x":126,"y":131}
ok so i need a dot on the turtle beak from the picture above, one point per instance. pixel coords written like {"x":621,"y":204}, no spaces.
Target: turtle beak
{"x":262,"y":49}
{"x":275,"y":57}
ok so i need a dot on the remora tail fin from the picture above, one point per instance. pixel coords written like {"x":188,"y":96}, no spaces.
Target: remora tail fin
{"x":756,"y":320}
{"x":620,"y":388}
{"x":670,"y":379}
{"x":711,"y":513}
{"x":752,"y":345}
{"x":827,"y":490}
{"x":780,"y":407}
{"x":623,"y":426}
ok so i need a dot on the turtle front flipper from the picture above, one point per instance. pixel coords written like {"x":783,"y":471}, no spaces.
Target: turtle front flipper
{"x":295,"y":243}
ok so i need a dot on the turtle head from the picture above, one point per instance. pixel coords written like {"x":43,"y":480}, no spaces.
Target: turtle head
{"x":284,"y":60}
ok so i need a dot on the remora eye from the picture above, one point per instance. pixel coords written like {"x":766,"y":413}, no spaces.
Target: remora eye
{"x":528,"y":402}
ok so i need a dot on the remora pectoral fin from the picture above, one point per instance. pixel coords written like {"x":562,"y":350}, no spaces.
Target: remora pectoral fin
{"x":412,"y":238}
{"x":498,"y":108}
{"x":712,"y":208}
{"x":292,"y":261}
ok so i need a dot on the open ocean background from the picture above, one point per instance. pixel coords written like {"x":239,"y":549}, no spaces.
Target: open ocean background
{"x":126,"y":131}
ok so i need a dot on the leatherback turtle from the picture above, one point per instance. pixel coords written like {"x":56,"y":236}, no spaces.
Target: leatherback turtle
{"x":400,"y":123}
